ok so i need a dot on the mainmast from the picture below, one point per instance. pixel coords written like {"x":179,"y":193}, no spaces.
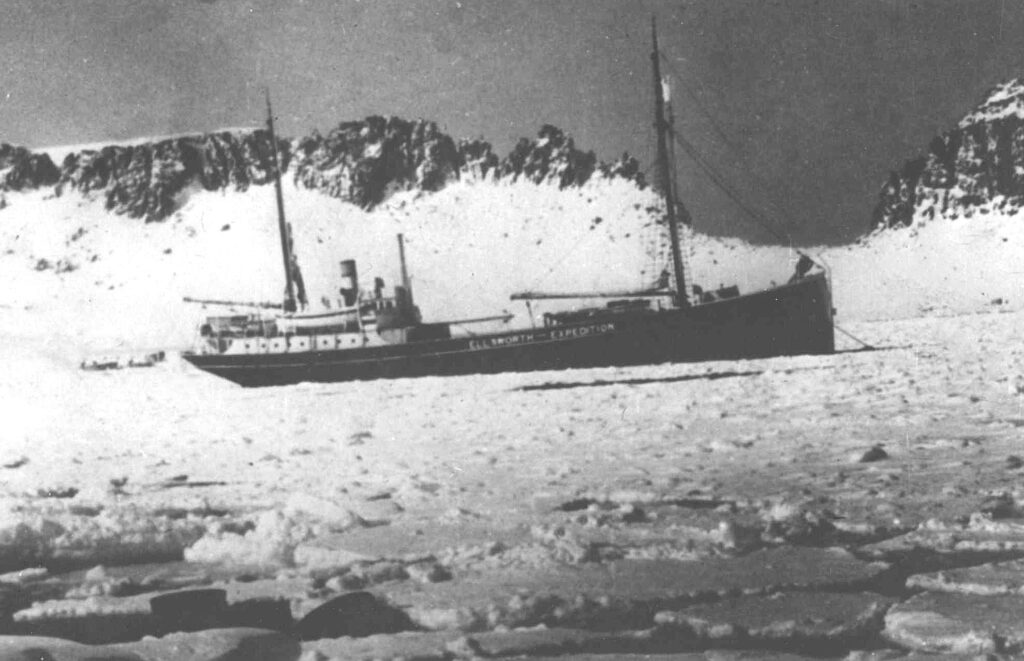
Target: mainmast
{"x":286,"y":249}
{"x":665,"y":174}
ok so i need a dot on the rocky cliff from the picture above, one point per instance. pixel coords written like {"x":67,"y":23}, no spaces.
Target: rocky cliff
{"x":978,"y":164}
{"x":21,"y":169}
{"x":145,"y":180}
{"x":361,"y":162}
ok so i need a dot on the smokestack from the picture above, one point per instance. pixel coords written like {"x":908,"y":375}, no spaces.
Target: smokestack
{"x":349,"y":282}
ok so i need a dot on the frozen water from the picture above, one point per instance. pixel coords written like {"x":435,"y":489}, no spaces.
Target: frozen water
{"x":169,"y":461}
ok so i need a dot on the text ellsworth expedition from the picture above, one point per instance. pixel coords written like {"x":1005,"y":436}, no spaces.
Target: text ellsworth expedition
{"x":545,"y":335}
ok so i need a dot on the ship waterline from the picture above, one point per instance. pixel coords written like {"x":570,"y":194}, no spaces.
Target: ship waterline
{"x":788,"y":320}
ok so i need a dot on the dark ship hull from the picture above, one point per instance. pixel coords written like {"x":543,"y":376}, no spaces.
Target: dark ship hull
{"x":788,"y":320}
{"x":385,"y":338}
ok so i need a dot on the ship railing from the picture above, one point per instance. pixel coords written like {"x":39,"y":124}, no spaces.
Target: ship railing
{"x":613,"y":309}
{"x":239,"y":329}
{"x":379,"y":303}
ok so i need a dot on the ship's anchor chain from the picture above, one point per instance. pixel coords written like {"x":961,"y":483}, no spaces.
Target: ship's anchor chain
{"x":866,"y":346}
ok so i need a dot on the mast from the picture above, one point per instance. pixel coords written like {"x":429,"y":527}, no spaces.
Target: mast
{"x":282,"y":226}
{"x":665,"y":174}
{"x":401,"y":259}
{"x":403,"y":294}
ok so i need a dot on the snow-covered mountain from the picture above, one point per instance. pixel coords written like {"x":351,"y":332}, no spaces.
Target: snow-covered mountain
{"x":362,"y":162}
{"x":84,"y":271}
{"x":978,"y":165}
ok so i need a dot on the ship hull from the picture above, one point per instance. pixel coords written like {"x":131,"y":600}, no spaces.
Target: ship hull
{"x":792,"y":319}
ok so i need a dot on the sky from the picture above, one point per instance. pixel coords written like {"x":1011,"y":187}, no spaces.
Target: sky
{"x":802,"y":106}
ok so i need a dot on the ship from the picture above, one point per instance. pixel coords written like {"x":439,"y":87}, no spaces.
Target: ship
{"x":372,"y":335}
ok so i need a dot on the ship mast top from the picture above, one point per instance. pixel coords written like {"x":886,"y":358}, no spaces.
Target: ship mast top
{"x":286,"y":250}
{"x":672,"y":206}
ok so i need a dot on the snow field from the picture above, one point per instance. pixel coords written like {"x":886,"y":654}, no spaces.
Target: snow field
{"x":107,"y":282}
{"x":167,"y":461}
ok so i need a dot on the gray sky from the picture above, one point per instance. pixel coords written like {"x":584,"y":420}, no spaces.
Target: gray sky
{"x":813,"y":101}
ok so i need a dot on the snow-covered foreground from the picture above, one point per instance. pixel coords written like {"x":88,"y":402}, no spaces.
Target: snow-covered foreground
{"x":436,"y":489}
{"x":450,"y":499}
{"x":156,"y":462}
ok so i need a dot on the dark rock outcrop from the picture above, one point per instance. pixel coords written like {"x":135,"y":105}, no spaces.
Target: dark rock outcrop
{"x":979,"y":163}
{"x":552,"y":157}
{"x":362,"y":162}
{"x":478,"y":158}
{"x":145,"y":181}
{"x":625,"y":167}
{"x":20,"y":169}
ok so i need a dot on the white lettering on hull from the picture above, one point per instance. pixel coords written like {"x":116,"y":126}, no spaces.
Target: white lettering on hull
{"x":532,"y":337}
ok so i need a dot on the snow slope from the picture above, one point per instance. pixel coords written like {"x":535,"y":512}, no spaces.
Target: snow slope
{"x":84,"y":280}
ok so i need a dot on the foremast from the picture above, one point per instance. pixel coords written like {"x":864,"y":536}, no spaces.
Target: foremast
{"x":282,"y":225}
{"x":673,"y":208}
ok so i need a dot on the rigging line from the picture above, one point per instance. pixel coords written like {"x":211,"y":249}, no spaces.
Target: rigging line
{"x":578,"y":243}
{"x":465,"y":330}
{"x":700,"y":106}
{"x":652,"y":141}
{"x":717,"y":178}
{"x":700,"y":81}
{"x":719,"y":181}
{"x":673,"y":184}
{"x":561,"y":261}
{"x":852,"y":336}
{"x":773,"y":200}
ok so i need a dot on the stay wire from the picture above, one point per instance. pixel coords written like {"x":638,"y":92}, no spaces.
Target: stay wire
{"x":717,"y":179}
{"x":721,"y":133}
{"x":716,"y":127}
{"x":852,"y":336}
{"x":578,"y":243}
{"x":561,"y":261}
{"x":765,"y":222}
